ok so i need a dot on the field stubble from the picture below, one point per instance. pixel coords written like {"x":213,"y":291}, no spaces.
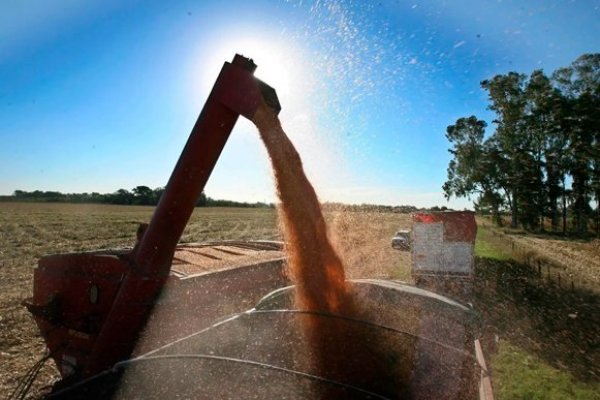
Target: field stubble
{"x":29,"y":231}
{"x":532,"y":317}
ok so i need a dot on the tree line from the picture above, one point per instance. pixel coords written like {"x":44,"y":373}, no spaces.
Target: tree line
{"x":143,"y":195}
{"x":542,"y":161}
{"x":139,"y":195}
{"x":364,"y":207}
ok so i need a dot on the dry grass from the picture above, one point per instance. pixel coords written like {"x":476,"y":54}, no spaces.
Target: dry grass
{"x":578,"y":256}
{"x":31,"y":230}
{"x":541,"y":337}
{"x":515,"y":310}
{"x":363,"y":240}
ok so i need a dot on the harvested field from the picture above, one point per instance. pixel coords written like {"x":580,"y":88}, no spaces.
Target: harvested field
{"x":31,"y":230}
{"x":580,"y":258}
{"x":535,"y":330}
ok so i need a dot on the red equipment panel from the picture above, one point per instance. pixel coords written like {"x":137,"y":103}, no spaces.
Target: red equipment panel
{"x":459,"y":226}
{"x":91,"y":307}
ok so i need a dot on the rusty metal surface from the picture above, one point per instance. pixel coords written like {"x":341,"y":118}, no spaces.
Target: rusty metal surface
{"x":458,"y":226}
{"x":112,"y":312}
{"x":236,"y":92}
{"x":263,"y":353}
{"x":485,"y":383}
{"x":193,"y":259}
{"x":443,"y":242}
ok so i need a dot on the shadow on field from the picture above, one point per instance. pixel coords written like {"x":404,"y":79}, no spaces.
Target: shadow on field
{"x":561,"y":325}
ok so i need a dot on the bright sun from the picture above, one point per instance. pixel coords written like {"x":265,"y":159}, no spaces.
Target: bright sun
{"x":275,"y":62}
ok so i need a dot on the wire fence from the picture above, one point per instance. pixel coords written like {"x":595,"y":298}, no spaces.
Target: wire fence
{"x":545,"y":268}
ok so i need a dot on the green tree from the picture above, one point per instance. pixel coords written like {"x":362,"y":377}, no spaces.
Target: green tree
{"x":472,"y":170}
{"x":143,"y":195}
{"x":464,"y":175}
{"x":548,"y":143}
{"x":547,"y":135}
{"x":122,"y":196}
{"x":157,"y":194}
{"x":580,"y":83}
{"x":202,"y":200}
{"x":507,"y":100}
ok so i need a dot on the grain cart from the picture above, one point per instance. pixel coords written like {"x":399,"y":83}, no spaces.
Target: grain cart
{"x":91,"y":307}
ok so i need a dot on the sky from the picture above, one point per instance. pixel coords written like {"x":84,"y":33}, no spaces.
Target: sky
{"x":101,"y":95}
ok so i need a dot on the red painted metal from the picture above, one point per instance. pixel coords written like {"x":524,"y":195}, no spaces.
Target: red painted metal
{"x":65,"y":309}
{"x":91,"y":308}
{"x":459,"y":226}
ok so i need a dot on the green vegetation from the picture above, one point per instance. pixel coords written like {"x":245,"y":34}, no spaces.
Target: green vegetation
{"x":521,"y":375}
{"x":547,"y":134}
{"x":139,"y":196}
{"x":540,"y":339}
{"x":486,"y":248}
{"x":145,"y":196}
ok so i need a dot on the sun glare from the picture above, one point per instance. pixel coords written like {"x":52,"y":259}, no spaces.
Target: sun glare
{"x":276,"y":62}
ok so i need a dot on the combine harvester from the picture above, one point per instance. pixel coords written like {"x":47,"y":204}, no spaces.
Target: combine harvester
{"x":164,"y":320}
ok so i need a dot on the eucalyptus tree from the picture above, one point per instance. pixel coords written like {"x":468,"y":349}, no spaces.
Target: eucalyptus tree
{"x":464,"y":174}
{"x":507,"y":100}
{"x":471,"y":170}
{"x":548,"y":144}
{"x":580,"y":83}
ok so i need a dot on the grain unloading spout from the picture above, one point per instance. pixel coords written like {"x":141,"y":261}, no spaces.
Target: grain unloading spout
{"x":90,"y":307}
{"x":236,"y":92}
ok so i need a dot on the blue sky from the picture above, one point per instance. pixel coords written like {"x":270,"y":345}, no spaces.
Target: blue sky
{"x":102,"y":95}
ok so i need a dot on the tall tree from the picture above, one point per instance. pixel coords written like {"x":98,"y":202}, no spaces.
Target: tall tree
{"x":464,"y":173}
{"x":580,"y":83}
{"x":472,"y":170}
{"x":157,"y":194}
{"x":547,"y":135}
{"x":543,"y":117}
{"x":506,"y":95}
